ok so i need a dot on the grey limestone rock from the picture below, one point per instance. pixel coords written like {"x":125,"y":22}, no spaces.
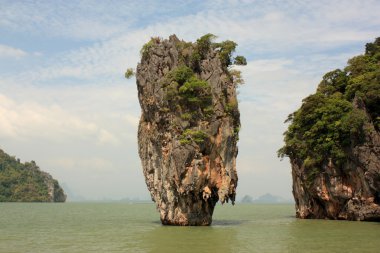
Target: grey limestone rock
{"x":187,"y":137}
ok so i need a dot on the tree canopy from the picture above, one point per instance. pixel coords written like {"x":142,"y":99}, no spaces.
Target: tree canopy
{"x":328,"y":123}
{"x":23,"y":182}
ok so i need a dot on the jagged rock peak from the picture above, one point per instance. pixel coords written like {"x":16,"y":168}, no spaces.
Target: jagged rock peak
{"x":189,"y":126}
{"x":333,"y":143}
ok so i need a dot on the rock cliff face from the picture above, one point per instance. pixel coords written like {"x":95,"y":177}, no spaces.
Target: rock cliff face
{"x":188,"y":129}
{"x":333,"y":144}
{"x":25,"y":182}
{"x":351,"y":192}
{"x":55,"y":192}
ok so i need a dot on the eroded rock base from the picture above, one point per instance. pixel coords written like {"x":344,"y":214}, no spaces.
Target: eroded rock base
{"x":195,"y":214}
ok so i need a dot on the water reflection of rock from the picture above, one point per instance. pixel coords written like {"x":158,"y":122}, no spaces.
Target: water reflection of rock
{"x":220,"y":237}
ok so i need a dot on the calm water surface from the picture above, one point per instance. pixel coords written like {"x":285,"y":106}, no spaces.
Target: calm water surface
{"x":99,"y":227}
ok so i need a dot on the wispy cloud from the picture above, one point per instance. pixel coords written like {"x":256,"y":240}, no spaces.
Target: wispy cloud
{"x":88,"y":20}
{"x":283,"y":28}
{"x":78,"y":99}
{"x":32,"y":120}
{"x":11,"y":52}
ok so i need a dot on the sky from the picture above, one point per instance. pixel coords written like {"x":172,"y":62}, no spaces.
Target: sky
{"x":64,"y":101}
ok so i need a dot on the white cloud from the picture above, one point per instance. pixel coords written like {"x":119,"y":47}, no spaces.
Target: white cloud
{"x":29,"y":119}
{"x":84,"y":136}
{"x":266,"y":65}
{"x":89,"y":165}
{"x":78,"y":99}
{"x":85,"y":20}
{"x":11,"y":52}
{"x":279,"y":31}
{"x":79,"y":20}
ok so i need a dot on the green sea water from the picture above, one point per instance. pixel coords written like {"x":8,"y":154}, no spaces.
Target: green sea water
{"x":121,"y":227}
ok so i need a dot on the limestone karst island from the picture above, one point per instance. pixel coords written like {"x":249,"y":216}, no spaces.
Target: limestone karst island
{"x":189,"y":126}
{"x":25,"y":182}
{"x":247,"y":126}
{"x":333,"y":143}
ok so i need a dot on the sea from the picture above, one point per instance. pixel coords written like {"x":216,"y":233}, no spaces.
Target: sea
{"x":128,"y":227}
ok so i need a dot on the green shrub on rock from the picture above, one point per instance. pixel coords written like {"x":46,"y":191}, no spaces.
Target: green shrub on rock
{"x":189,"y":135}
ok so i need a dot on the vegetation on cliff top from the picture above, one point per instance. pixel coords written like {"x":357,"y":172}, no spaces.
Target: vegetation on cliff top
{"x":194,"y":53}
{"x":24,"y":182}
{"x":225,"y":50}
{"x":186,"y":93}
{"x":191,"y":97}
{"x":328,"y":124}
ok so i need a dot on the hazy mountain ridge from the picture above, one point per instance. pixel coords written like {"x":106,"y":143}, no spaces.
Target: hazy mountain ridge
{"x":266,"y":199}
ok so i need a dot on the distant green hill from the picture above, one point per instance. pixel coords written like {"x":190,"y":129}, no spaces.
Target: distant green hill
{"x":25,"y":182}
